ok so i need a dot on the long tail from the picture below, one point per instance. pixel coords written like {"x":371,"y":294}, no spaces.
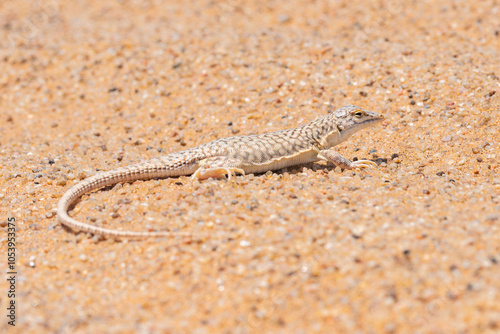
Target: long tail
{"x":103,"y":179}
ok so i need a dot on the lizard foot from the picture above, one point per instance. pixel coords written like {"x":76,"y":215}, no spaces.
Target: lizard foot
{"x":217,"y":172}
{"x":362,"y":164}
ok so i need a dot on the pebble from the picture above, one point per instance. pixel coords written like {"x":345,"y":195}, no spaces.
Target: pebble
{"x":61,"y":182}
{"x":446,"y":138}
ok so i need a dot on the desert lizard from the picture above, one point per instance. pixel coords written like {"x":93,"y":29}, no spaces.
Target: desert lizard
{"x":227,"y":156}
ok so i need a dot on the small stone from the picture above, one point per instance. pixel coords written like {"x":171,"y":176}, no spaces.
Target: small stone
{"x":245,"y":243}
{"x":446,"y":138}
{"x":493,"y":217}
{"x":61,"y":182}
{"x":284,"y":18}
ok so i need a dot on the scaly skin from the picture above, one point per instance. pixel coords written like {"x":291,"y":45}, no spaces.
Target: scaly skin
{"x":241,"y":154}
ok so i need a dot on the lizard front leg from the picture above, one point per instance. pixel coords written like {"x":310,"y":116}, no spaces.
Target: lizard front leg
{"x":218,"y":167}
{"x":342,"y":162}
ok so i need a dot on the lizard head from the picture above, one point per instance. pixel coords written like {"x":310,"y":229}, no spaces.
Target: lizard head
{"x":351,"y":119}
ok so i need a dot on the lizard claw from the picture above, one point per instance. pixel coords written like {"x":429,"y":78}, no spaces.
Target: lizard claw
{"x":216,"y":172}
{"x":233,"y":171}
{"x":363,"y":164}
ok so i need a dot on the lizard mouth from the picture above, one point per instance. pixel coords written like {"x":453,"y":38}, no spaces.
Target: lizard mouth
{"x":374,"y":120}
{"x":379,"y":119}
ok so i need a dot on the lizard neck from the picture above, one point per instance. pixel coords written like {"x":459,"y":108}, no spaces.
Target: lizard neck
{"x":332,"y":138}
{"x":328,"y":133}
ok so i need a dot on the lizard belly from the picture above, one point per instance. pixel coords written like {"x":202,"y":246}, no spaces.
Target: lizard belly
{"x":282,"y":162}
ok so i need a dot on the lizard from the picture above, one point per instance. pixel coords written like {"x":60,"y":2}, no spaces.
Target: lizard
{"x":229,"y":156}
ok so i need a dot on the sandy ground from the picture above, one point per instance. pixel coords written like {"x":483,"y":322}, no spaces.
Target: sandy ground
{"x":410,"y":247}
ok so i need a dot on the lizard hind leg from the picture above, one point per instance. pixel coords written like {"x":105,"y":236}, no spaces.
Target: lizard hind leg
{"x":218,"y":167}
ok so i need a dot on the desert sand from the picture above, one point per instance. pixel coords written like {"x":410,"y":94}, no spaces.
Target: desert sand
{"x":412,"y":246}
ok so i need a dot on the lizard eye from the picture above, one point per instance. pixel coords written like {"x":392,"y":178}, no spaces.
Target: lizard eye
{"x":358,"y":114}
